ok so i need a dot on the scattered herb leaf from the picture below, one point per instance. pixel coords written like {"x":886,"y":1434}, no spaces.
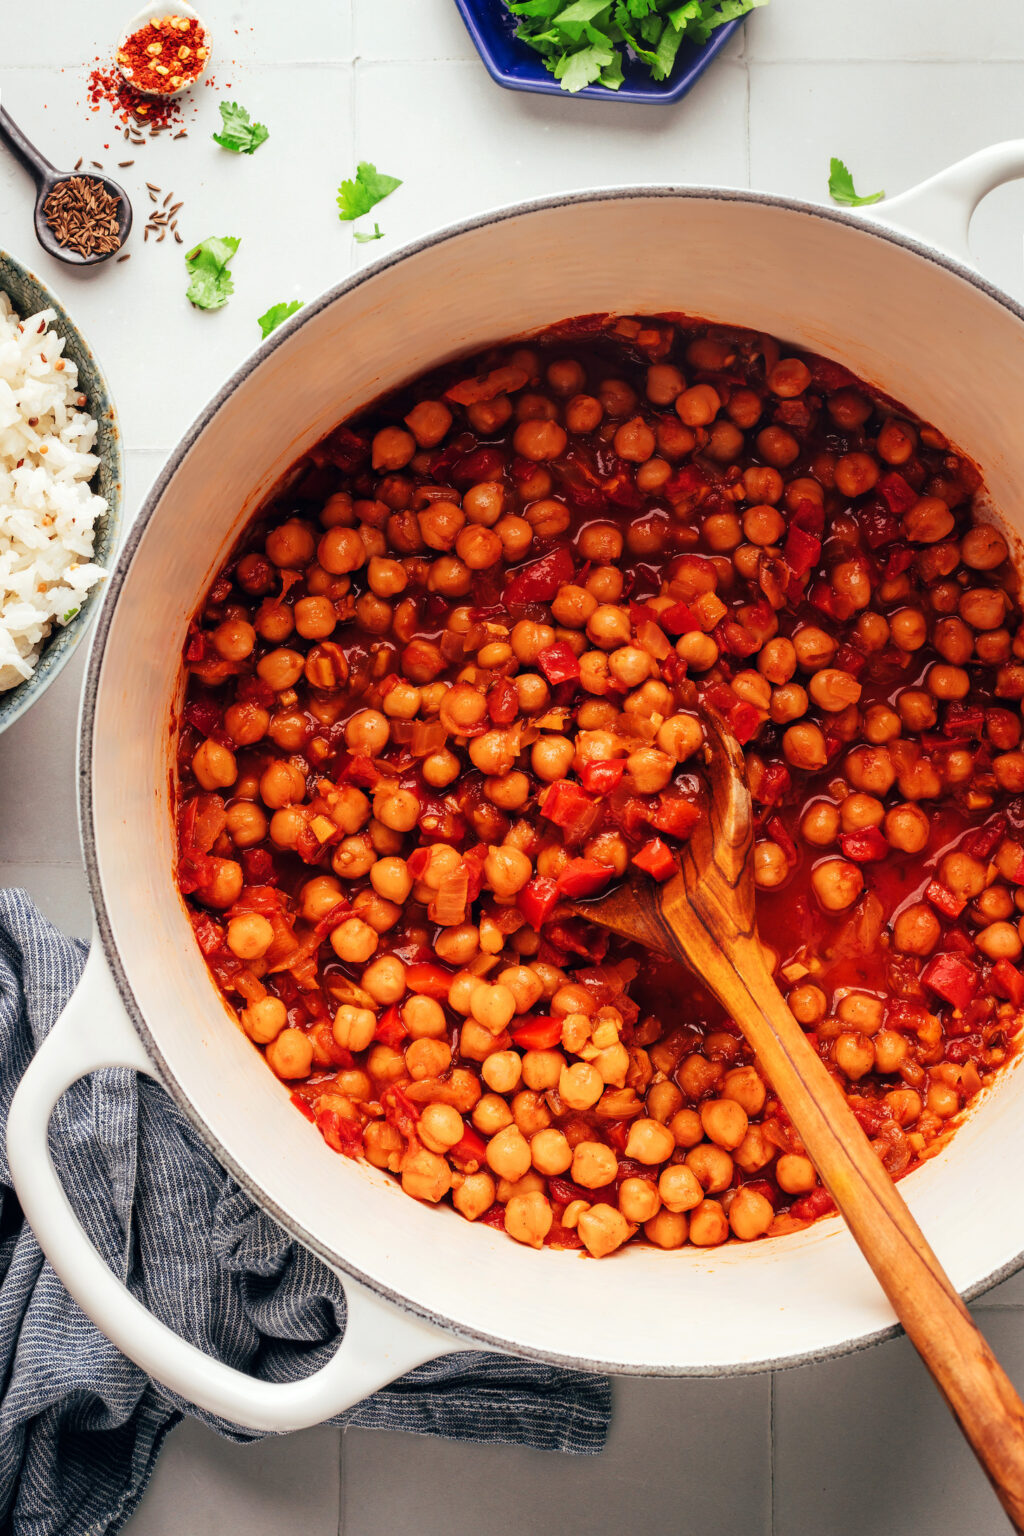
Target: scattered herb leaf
{"x":69,"y":615}
{"x":369,"y":187}
{"x":363,"y":237}
{"x":210,"y":284}
{"x":842,"y":190}
{"x":238,"y":132}
{"x":276,"y":315}
{"x":583,"y":42}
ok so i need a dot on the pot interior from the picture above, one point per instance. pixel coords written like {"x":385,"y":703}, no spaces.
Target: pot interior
{"x":946,"y":347}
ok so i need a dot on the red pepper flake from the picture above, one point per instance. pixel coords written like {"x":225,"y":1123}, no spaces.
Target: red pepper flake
{"x":165,"y":54}
{"x":107,"y":84}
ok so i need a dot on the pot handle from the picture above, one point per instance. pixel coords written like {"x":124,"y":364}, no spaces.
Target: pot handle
{"x":939,"y":210}
{"x":380,"y":1343}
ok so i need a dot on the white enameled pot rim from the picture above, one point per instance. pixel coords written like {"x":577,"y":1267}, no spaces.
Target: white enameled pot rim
{"x":101,"y":631}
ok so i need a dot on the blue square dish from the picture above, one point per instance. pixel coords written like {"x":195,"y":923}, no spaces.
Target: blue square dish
{"x":518,"y":68}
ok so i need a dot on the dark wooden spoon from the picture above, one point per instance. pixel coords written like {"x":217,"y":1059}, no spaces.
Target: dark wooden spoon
{"x":704,"y":916}
{"x":46,"y":177}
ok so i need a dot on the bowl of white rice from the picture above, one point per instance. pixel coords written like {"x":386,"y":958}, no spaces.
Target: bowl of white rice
{"x":61,"y":484}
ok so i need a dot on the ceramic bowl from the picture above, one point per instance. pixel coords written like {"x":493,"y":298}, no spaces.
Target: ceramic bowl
{"x":518,"y":68}
{"x":29,"y":295}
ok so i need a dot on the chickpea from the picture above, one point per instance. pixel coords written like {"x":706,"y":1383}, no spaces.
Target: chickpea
{"x":803,"y":747}
{"x":508,"y":1153}
{"x":649,"y":1142}
{"x":907,"y":828}
{"x":608,"y":627}
{"x":492,"y":1006}
{"x":429,"y":421}
{"x":491,"y":1114}
{"x":214,"y":766}
{"x":249,"y":936}
{"x":722,"y":532}
{"x":551,"y":757}
{"x":795,"y":1174}
{"x":391,"y":879}
{"x":246,"y":824}
{"x":551,"y":1152}
{"x":603,"y":1229}
{"x":855,"y":474}
{"x":746,"y":1088}
{"x":712,"y":1167}
{"x":999,"y":941}
{"x":834,"y":690}
{"x":708,"y":1223}
{"x":871,"y":770}
{"x":506,"y":871}
{"x":474,"y":1195}
{"x":264,"y":1019}
{"x":928,"y":521}
{"x":750,"y":1214}
{"x":680,"y":736}
{"x":593,"y":1164}
{"x":820,"y":824}
{"x":668,"y":1229}
{"x":854,"y":1054}
{"x":580,"y":1086}
{"x":426,"y":1175}
{"x":528,"y":1218}
{"x":916,"y":930}
{"x":353,"y":1027}
{"x":354,"y":940}
{"x":225,"y":885}
{"x":942,"y":1099}
{"x":807,"y":1004}
{"x":946,"y":682}
{"x":724,"y":1121}
{"x":397,"y":810}
{"x":698,"y":406}
{"x":983,"y":548}
{"x":539,"y":441}
{"x":837,"y":884}
{"x":290,"y":1054}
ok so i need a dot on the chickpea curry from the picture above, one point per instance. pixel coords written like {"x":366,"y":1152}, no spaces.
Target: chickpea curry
{"x":447,"y":684}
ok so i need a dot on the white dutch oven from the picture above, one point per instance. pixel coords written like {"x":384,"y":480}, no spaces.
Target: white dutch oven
{"x":920,"y":325}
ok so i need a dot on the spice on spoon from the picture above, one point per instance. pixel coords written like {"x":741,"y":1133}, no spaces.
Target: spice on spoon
{"x":166,"y":54}
{"x":83,"y":215}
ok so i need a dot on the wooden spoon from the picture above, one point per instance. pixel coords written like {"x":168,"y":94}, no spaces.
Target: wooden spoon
{"x":705,"y":917}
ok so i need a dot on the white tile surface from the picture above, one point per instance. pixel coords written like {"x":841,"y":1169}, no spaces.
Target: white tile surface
{"x":861,"y":1446}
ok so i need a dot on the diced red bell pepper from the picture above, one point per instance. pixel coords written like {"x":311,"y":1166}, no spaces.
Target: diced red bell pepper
{"x":258,"y":867}
{"x":655,"y":858}
{"x":564,"y":1191}
{"x":776,"y":781}
{"x":302,"y":1106}
{"x":583,"y":877}
{"x":779,"y":833}
{"x":801,"y":551}
{"x":1008,"y":981}
{"x":674,"y":815}
{"x":952,"y":977}
{"x":744,"y":721}
{"x":849,"y":659}
{"x":502,"y":701}
{"x":835,"y":604}
{"x":735,"y":639}
{"x":899,"y":559}
{"x":429,"y":980}
{"x":984,"y":842}
{"x":195,"y":644}
{"x":418,"y":862}
{"x":537,"y":900}
{"x":878,"y":524}
{"x":559,"y":663}
{"x":391,"y":1028}
{"x":539,"y":1034}
{"x":599,"y":776}
{"x":810,"y":516}
{"x":898,"y":496}
{"x":340,"y":1133}
{"x":208,"y":936}
{"x":205,"y":716}
{"x":943,"y":900}
{"x":678,"y":620}
{"x":963,"y":720}
{"x":810,"y":1207}
{"x":564,"y":802}
{"x":495,"y":1217}
{"x":469,"y":1154}
{"x":865,"y":846}
{"x":539,"y":581}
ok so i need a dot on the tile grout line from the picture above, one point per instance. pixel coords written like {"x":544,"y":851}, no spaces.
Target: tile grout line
{"x":771,"y":1456}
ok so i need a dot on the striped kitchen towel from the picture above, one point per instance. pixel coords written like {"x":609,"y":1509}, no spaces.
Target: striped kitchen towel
{"x":81,"y":1426}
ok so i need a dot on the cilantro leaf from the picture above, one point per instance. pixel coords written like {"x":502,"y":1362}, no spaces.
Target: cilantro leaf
{"x":363,"y":237}
{"x":210,"y":285}
{"x":238,"y":132}
{"x":369,"y":187}
{"x":584,"y":42}
{"x":67,"y":617}
{"x":841,"y":188}
{"x":276,"y":315}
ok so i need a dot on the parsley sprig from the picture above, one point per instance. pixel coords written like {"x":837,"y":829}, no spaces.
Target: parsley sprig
{"x":361,"y":193}
{"x":276,"y":315}
{"x":842,"y":190}
{"x":210,"y":283}
{"x":582,"y":42}
{"x":238,"y":132}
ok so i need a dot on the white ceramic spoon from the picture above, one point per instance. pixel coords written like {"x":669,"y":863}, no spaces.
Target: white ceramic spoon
{"x":150,"y":13}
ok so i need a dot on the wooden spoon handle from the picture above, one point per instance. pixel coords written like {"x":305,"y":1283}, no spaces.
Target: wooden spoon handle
{"x":981,"y":1396}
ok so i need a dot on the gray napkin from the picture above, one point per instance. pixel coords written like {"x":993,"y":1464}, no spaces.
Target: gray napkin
{"x":80,"y":1425}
